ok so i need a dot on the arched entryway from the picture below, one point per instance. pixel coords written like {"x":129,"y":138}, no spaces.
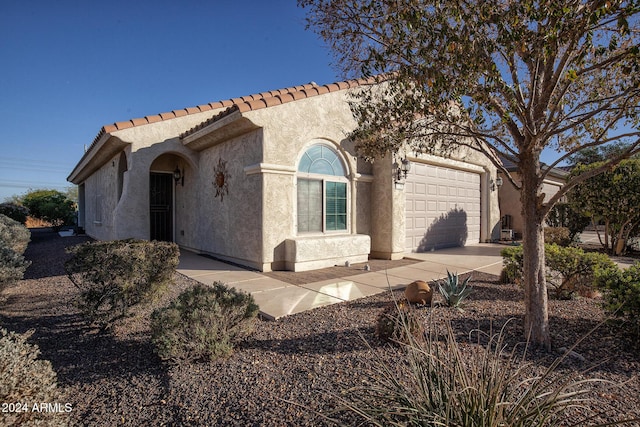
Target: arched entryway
{"x":166,"y":176}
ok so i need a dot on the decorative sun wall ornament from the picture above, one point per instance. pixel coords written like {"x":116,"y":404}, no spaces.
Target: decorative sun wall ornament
{"x":221,"y":179}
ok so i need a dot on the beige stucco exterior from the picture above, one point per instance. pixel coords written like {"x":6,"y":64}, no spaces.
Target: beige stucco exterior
{"x":511,"y":206}
{"x":254,"y":222}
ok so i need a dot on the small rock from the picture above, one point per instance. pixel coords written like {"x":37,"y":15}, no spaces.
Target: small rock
{"x":572,"y":354}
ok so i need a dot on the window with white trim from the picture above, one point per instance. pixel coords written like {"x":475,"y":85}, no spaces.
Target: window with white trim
{"x":322,"y":191}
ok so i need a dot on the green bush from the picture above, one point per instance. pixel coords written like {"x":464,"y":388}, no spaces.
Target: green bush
{"x":13,"y":235}
{"x":203,"y":323}
{"x":572,"y":270}
{"x":15,"y":212}
{"x":26,"y":381}
{"x":622,"y":292}
{"x":14,"y":238}
{"x":511,"y":265}
{"x":12,"y":267}
{"x":569,"y":270}
{"x":51,"y":206}
{"x":396,"y":322}
{"x":116,"y":275}
{"x":436,"y":383}
{"x":557,"y":235}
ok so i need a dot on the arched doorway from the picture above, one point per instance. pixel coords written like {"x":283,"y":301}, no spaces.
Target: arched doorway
{"x":165,"y":174}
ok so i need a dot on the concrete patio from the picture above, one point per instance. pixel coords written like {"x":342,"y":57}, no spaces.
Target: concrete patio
{"x":277,"y":298}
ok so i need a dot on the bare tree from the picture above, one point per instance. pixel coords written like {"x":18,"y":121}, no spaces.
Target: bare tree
{"x":509,"y":78}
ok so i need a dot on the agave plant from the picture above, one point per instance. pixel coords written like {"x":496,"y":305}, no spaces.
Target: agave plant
{"x":453,"y":291}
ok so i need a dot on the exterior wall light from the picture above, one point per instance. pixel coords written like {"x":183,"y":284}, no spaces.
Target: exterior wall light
{"x":496,"y":184}
{"x":402,"y":169}
{"x":178,"y":176}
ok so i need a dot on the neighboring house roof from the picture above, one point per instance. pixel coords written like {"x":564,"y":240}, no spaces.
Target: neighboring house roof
{"x":558,"y":172}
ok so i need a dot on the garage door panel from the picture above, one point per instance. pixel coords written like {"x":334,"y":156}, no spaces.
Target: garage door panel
{"x":442,"y":208}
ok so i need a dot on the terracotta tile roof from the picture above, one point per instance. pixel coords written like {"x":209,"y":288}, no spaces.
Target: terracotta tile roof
{"x":242,"y":104}
{"x":279,"y":97}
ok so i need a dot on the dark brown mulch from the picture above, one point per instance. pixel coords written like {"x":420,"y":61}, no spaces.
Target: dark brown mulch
{"x":287,"y":369}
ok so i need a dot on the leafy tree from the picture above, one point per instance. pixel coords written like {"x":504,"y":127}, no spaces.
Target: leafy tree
{"x":612,"y":197}
{"x":596,"y":154}
{"x":50,"y":205}
{"x":564,"y":215}
{"x":14,"y":211}
{"x":508,"y":78}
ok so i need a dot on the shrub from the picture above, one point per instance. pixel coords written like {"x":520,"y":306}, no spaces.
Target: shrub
{"x":51,"y":206}
{"x":26,"y":380}
{"x":15,"y":212}
{"x":572,"y":270}
{"x":203,"y":323}
{"x":12,"y":267}
{"x":14,"y":238}
{"x":13,"y":234}
{"x":435,"y":383}
{"x":511,"y":265}
{"x":557,"y":235}
{"x":453,"y":291}
{"x":396,"y":322}
{"x":622,"y":292}
{"x":116,"y":275}
{"x":569,"y":270}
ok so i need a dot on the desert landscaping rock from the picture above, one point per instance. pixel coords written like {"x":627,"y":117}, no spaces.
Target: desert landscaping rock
{"x":288,"y":370}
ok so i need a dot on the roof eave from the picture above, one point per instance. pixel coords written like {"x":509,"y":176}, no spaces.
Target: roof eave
{"x":101,"y":152}
{"x":230,"y":125}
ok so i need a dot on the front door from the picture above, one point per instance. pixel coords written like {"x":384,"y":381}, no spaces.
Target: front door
{"x":161,"y":206}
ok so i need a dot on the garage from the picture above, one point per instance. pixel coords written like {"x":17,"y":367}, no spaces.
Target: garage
{"x":442,"y":208}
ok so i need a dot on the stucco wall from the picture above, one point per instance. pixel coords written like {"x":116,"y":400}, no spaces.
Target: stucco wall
{"x":288,"y":130}
{"x":101,"y":199}
{"x":229,"y":225}
{"x":510,"y":199}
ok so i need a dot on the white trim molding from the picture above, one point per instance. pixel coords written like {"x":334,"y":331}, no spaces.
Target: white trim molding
{"x":260,"y":168}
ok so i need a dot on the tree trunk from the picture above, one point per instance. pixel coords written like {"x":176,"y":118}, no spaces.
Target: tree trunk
{"x":536,"y":319}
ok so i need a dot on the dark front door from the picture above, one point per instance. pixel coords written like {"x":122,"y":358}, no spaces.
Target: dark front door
{"x":161,"y":206}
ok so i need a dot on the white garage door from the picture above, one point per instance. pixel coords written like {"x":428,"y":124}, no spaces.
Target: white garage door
{"x":442,"y":208}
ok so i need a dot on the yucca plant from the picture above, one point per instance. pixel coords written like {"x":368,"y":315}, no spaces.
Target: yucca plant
{"x":438,"y":383}
{"x":453,"y":291}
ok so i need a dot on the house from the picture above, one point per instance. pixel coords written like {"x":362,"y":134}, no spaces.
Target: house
{"x":271,"y":182}
{"x":510,"y":204}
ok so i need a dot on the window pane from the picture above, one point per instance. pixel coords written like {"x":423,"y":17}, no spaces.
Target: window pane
{"x":321,"y":159}
{"x":331,"y":222}
{"x":321,"y":166}
{"x":331,"y":189}
{"x":305,"y":163}
{"x":336,"y":208}
{"x":309,"y":205}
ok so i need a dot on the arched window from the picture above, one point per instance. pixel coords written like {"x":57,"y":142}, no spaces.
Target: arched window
{"x":322,"y":191}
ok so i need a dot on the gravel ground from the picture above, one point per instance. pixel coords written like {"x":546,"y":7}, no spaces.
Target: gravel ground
{"x":287,"y":370}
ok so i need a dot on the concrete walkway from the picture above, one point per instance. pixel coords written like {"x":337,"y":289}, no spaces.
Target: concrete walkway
{"x":277,"y":298}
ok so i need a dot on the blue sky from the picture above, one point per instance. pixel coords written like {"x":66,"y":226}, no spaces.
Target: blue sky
{"x":70,"y":67}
